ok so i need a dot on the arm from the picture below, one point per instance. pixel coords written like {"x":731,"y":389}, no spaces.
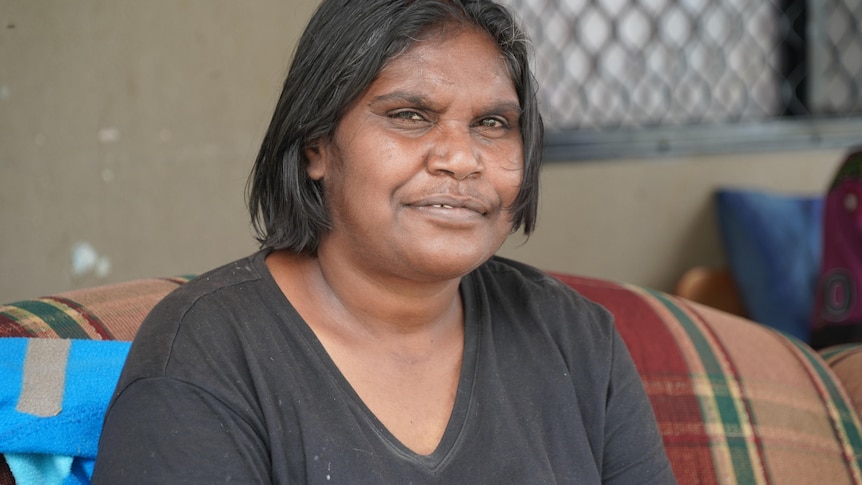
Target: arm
{"x":633,"y":451}
{"x":161,"y":430}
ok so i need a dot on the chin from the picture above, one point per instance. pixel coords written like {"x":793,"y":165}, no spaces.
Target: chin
{"x":447,"y":264}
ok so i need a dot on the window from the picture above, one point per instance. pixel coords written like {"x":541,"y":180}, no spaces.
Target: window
{"x":658,"y":76}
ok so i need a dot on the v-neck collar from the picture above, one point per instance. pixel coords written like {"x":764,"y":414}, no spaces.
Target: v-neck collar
{"x":466,"y":380}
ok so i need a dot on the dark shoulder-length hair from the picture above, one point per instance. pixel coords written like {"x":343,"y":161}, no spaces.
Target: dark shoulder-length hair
{"x":343,"y":49}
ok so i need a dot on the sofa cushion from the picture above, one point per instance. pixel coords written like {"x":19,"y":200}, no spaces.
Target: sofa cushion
{"x":110,"y":312}
{"x":736,"y":402}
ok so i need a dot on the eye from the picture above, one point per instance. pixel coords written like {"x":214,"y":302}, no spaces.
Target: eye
{"x":407,"y":115}
{"x":493,"y":123}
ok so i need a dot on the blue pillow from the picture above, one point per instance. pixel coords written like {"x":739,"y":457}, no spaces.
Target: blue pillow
{"x":773,"y":244}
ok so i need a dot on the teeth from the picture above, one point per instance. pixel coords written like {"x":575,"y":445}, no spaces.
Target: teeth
{"x":443,"y":206}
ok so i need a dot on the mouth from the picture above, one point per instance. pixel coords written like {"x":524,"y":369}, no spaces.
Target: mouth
{"x":455,"y":203}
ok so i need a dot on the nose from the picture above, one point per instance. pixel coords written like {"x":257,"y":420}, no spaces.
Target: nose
{"x":454,"y":152}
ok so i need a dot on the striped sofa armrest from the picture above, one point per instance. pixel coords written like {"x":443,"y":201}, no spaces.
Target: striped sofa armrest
{"x":846,"y":362}
{"x":736,"y":402}
{"x":109,"y":312}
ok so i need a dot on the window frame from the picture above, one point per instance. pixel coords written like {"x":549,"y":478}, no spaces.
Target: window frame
{"x":777,"y":135}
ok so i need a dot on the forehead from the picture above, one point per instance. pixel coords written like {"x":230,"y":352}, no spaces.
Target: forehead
{"x":450,"y":53}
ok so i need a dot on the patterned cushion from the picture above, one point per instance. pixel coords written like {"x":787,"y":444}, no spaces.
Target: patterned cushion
{"x":773,"y":246}
{"x":110,"y":312}
{"x":736,"y":402}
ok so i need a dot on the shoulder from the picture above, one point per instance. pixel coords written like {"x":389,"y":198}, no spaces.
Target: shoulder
{"x":535,"y":298}
{"x":207,"y":309}
{"x":524,"y":284}
{"x":222,"y":287}
{"x":226,"y":280}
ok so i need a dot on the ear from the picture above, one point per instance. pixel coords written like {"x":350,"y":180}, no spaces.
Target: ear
{"x":317,"y":154}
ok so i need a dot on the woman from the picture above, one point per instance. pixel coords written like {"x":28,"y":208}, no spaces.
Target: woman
{"x":376,"y":338}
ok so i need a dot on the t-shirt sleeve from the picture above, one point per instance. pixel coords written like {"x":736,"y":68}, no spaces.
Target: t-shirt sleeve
{"x":162,"y":430}
{"x":633,"y":449}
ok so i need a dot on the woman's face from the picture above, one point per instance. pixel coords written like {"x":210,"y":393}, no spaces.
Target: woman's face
{"x":422,"y":169}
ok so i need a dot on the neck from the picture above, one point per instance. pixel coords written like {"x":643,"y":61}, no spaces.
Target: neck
{"x":354,"y":303}
{"x":385,"y":304}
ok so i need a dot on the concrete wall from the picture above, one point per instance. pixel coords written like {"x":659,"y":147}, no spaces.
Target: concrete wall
{"x":127,"y":130}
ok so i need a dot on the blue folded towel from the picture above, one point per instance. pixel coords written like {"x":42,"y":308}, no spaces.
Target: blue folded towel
{"x":53,"y":397}
{"x":42,"y":469}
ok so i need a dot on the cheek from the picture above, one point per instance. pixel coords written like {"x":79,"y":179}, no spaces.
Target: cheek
{"x":359,"y":195}
{"x":510,"y":178}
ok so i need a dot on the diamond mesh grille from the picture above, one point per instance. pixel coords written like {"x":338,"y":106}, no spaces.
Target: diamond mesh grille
{"x":630,"y":63}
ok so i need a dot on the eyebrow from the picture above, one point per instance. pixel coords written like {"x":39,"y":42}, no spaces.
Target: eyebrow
{"x":504,"y":107}
{"x":405,"y":96}
{"x":423,"y":102}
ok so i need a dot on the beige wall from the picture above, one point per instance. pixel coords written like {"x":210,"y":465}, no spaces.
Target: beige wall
{"x":131,"y":126}
{"x":646,"y":221}
{"x":128,"y":128}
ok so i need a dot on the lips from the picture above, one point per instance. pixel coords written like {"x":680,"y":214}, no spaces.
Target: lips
{"x":454,"y":202}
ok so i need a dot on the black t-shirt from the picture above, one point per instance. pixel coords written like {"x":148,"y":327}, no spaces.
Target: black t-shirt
{"x":226,"y":383}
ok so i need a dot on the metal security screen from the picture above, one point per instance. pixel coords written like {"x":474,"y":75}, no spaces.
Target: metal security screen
{"x":835,"y":51}
{"x":609,"y":64}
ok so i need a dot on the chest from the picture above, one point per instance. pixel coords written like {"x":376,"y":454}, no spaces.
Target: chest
{"x":515,"y":420}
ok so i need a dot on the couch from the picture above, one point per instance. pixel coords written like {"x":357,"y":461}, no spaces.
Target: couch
{"x":736,"y":401}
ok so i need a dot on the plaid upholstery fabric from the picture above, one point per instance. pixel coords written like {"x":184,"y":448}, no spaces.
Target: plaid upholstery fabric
{"x":736,"y":402}
{"x":110,"y":312}
{"x":846,"y":363}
